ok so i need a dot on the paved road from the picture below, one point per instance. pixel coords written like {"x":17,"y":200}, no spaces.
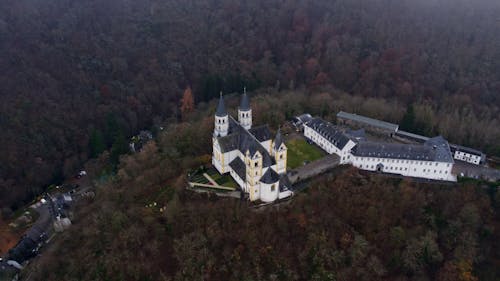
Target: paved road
{"x":43,"y":223}
{"x":476,"y":171}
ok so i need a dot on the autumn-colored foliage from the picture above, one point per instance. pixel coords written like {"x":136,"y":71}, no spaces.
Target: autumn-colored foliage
{"x":67,"y":66}
{"x":347,"y":225}
{"x":187,"y":101}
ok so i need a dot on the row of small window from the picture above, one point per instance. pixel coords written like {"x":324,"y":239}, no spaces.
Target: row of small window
{"x":245,"y":115}
{"x":466,"y":154}
{"x":322,"y":142}
{"x":468,"y":159}
{"x":421,"y":163}
{"x":402,"y":169}
{"x":223,"y":121}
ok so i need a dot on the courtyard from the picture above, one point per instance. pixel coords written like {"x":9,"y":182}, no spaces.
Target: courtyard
{"x":300,"y":153}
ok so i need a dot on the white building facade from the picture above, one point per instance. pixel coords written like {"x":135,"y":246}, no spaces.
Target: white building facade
{"x":468,"y":155}
{"x":329,"y":138}
{"x":253,"y":159}
{"x":432,"y":160}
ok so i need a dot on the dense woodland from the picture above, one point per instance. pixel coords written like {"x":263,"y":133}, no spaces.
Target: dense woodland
{"x":79,"y":77}
{"x":346,"y":226}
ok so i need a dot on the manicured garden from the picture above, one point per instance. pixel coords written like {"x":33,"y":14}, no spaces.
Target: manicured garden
{"x":223,"y":180}
{"x":299,"y":151}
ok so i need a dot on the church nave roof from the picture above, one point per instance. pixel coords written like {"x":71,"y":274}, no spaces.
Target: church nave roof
{"x":270,"y":177}
{"x":243,"y":140}
{"x":239,"y":167}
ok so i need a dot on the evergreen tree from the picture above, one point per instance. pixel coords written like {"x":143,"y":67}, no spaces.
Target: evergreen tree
{"x":118,"y":148}
{"x":96,"y":143}
{"x":408,"y":122}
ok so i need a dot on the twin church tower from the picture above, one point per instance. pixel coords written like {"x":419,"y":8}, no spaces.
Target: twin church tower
{"x":222,"y":118}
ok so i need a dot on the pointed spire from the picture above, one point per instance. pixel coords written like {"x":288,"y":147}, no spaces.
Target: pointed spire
{"x":278,"y":140}
{"x":221,"y":108}
{"x":245,"y":102}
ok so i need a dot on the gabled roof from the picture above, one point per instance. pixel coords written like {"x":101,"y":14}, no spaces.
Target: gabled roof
{"x":440,"y":148}
{"x":229,"y":143}
{"x":221,"y":108}
{"x":368,"y":121}
{"x":453,"y":147}
{"x":329,"y":132}
{"x":239,"y":167}
{"x":242,"y":140}
{"x":304,"y":118}
{"x":356,"y":135}
{"x":261,"y":133}
{"x":392,"y":150}
{"x":245,"y":102}
{"x":436,"y":150}
{"x":278,"y":140}
{"x":270,"y":177}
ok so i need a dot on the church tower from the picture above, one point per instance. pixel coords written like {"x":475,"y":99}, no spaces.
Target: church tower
{"x":279,"y":151}
{"x":221,"y":119}
{"x":245,"y":112}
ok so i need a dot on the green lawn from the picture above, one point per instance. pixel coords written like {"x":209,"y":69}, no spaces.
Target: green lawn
{"x":224,"y":180}
{"x":227,"y":181}
{"x":299,"y":151}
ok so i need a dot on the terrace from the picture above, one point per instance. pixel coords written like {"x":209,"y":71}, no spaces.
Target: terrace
{"x":211,"y":179}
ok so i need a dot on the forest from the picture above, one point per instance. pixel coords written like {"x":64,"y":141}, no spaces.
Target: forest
{"x":348,"y":225}
{"x":80,"y":77}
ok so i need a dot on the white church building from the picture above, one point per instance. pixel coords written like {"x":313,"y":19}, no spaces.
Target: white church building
{"x":249,"y":154}
{"x":430,"y":160}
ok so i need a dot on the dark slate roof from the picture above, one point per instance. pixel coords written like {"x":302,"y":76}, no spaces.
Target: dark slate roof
{"x":356,"y":134}
{"x":453,"y":147}
{"x":239,"y":167}
{"x":278,"y":140}
{"x":221,"y":108}
{"x":441,"y":149}
{"x":261,"y":133}
{"x":412,"y":136}
{"x":229,"y":142}
{"x":329,"y":132}
{"x":392,"y":150}
{"x":24,"y":250}
{"x":245,"y":102}
{"x":242,"y":140}
{"x":433,"y":151}
{"x":368,"y":120}
{"x":270,"y":176}
{"x":7,"y":272}
{"x":304,"y":118}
